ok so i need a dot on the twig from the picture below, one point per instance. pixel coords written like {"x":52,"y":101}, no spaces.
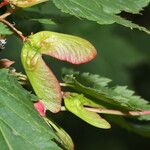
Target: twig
{"x":2,"y":19}
{"x":9,"y":12}
{"x":117,"y":112}
{"x":114,"y":112}
{"x":19,"y":33}
{"x":5,"y":2}
{"x":5,"y":15}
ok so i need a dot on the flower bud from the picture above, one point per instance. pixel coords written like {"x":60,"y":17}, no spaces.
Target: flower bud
{"x":39,"y":106}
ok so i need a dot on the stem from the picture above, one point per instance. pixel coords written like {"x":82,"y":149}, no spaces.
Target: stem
{"x":117,"y":112}
{"x":5,"y":15}
{"x":2,"y":19}
{"x":9,"y":12}
{"x":19,"y":33}
{"x":5,"y":2}
{"x":114,"y":112}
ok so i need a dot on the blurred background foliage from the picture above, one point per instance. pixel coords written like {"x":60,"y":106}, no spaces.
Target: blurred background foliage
{"x":123,"y":56}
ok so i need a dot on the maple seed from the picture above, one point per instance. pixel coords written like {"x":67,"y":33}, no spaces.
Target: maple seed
{"x":39,"y":106}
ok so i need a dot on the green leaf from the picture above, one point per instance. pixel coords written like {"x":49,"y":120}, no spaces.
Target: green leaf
{"x":44,"y":21}
{"x":102,"y":11}
{"x":4,"y":30}
{"x":75,"y":104}
{"x":20,"y":124}
{"x":141,"y":128}
{"x":118,"y":97}
{"x":66,"y":139}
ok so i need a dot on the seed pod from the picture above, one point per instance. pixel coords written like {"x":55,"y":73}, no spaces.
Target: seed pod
{"x":64,"y":47}
{"x":26,"y":3}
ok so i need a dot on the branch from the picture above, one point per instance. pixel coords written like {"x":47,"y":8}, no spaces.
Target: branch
{"x":5,"y":2}
{"x":114,"y":112}
{"x":19,"y":33}
{"x":2,"y":19}
{"x":9,"y":12}
{"x":117,"y":112}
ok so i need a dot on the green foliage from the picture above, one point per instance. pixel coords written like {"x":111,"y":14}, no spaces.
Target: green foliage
{"x":140,"y":128}
{"x":119,"y":50}
{"x":20,"y":124}
{"x":75,"y":103}
{"x":103,"y":12}
{"x":4,"y":30}
{"x":102,"y":97}
{"x":66,"y":140}
{"x":95,"y":86}
{"x":116,"y":48}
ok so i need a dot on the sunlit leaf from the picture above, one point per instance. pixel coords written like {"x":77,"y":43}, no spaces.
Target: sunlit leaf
{"x":102,"y":11}
{"x":75,"y":104}
{"x":118,"y":97}
{"x":64,"y":47}
{"x":20,"y":125}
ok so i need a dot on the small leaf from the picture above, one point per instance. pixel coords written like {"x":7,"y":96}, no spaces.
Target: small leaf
{"x":4,"y":30}
{"x":118,"y":97}
{"x":111,"y":97}
{"x":75,"y":104}
{"x":62,"y":134}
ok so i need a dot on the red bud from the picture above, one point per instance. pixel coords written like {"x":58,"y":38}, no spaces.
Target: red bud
{"x":39,"y":106}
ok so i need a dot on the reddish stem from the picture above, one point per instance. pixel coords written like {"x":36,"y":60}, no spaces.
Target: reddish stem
{"x":19,"y":33}
{"x":117,"y":112}
{"x":4,"y":3}
{"x":139,"y":113}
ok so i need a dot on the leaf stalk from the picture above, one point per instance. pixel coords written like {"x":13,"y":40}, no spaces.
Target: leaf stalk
{"x":114,"y":112}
